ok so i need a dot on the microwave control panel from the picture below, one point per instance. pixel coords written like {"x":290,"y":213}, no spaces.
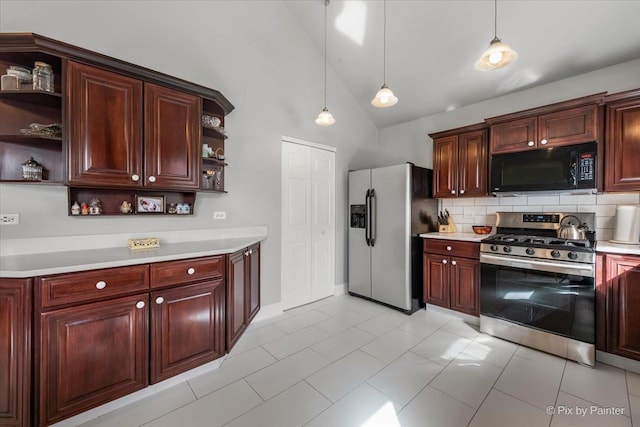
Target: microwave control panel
{"x":586,"y":167}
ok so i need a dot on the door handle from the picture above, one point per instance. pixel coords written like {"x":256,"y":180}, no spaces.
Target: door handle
{"x":372,"y":232}
{"x":367,"y":210}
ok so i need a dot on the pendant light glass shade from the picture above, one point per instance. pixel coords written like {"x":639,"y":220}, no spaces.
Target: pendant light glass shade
{"x":384,"y":97}
{"x":498,"y":54}
{"x":325,"y":118}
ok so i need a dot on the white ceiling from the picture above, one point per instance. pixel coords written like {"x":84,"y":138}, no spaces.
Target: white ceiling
{"x":432,"y":46}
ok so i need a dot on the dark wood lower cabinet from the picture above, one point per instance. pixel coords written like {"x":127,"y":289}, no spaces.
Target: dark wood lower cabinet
{"x":92,"y":354}
{"x":243,"y":291}
{"x":452,"y":281}
{"x":15,"y":352}
{"x":187,"y":328}
{"x":622,"y":317}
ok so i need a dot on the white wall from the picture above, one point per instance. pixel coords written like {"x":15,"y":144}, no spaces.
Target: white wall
{"x":257,"y":55}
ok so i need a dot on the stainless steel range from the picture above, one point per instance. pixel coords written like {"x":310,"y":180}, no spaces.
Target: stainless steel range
{"x":537,"y":289}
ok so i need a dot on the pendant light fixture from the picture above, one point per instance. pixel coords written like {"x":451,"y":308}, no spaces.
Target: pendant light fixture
{"x":498,"y":54}
{"x":325,"y":118}
{"x":385,"y":97}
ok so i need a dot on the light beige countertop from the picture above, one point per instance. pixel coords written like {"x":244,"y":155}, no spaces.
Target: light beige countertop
{"x":617,"y":248}
{"x":17,"y":263}
{"x":468,"y":237}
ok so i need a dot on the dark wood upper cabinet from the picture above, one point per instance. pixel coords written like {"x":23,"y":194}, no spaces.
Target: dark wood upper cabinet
{"x":104,"y":123}
{"x":565,"y":123}
{"x":15,"y":352}
{"x":187,"y":327}
{"x":460,"y":158}
{"x":171,"y":138}
{"x":91,"y":354}
{"x":622,"y":138}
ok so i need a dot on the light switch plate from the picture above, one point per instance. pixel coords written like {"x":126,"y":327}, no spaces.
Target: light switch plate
{"x":9,"y":219}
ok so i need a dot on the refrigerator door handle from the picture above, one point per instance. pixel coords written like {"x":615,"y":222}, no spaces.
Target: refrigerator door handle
{"x":372,"y":216}
{"x":367,"y":213}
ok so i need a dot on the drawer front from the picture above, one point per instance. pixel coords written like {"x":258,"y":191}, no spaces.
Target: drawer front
{"x":93,"y":285}
{"x":177,"y":272}
{"x":452,"y":248}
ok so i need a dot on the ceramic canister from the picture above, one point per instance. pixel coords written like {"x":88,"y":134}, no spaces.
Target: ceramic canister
{"x":627,"y":229}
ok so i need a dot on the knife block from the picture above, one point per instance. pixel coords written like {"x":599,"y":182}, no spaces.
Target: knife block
{"x":448,"y":228}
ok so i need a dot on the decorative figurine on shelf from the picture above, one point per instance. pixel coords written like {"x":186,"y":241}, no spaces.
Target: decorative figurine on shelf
{"x":180,"y":208}
{"x":186,"y":209}
{"x":84,"y":209}
{"x":205,"y":150}
{"x":125,"y":207}
{"x":219,"y":156}
{"x":75,"y":209}
{"x":172,"y":208}
{"x":95,"y":208}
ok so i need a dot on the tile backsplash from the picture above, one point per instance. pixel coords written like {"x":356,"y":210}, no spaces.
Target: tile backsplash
{"x":478,"y":211}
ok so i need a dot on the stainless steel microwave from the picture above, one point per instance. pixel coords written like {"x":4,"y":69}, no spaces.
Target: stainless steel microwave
{"x":565,"y":168}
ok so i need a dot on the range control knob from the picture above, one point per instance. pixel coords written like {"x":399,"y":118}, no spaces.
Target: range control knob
{"x":555,"y":254}
{"x":530,"y":251}
{"x":573,"y":255}
{"x":494,"y":248}
{"x":507,"y":249}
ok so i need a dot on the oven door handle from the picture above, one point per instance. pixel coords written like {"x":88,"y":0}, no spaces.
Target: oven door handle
{"x":530,"y":264}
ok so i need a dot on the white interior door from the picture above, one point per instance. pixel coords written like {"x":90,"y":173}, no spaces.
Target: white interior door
{"x":308,"y":222}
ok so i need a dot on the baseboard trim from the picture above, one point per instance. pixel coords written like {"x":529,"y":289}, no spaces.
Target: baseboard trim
{"x":268,"y":311}
{"x":618,"y":361}
{"x":340,"y":289}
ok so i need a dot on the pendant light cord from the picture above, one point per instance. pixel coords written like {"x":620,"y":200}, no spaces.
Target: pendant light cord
{"x":384,"y":44}
{"x":495,"y":19}
{"x":326,"y":3}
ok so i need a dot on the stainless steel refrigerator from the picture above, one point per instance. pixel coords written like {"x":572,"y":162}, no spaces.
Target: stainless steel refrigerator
{"x":389,"y":207}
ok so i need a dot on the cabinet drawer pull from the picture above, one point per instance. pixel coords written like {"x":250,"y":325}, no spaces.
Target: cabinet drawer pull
{"x":246,"y":253}
{"x":453,"y":263}
{"x":152,"y":178}
{"x":461,"y":191}
{"x":543,"y":142}
{"x":140,"y":304}
{"x":250,"y":251}
{"x":453,"y":191}
{"x":449,"y":248}
{"x":191,"y":270}
{"x":101,"y":284}
{"x":444,"y":261}
{"x":530,"y":143}
{"x":159,"y":300}
{"x":135,"y":178}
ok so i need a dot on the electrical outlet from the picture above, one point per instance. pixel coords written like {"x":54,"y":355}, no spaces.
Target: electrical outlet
{"x":219,"y":215}
{"x":9,"y":219}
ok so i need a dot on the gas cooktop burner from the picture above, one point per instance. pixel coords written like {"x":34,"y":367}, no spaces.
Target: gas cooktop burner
{"x":536,"y":240}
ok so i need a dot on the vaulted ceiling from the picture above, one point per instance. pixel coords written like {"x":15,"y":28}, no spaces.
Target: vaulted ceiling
{"x":432,"y":46}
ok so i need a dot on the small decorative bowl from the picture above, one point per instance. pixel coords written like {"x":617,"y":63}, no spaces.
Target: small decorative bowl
{"x":482,"y":229}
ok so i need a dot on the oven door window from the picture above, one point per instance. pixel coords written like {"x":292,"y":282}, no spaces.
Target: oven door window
{"x":553,"y":302}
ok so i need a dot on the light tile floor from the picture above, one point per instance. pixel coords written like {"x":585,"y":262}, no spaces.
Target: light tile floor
{"x":344,"y":361}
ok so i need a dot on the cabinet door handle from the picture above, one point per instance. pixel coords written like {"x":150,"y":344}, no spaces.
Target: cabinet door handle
{"x":250,"y":251}
{"x":453,"y":191}
{"x":159,"y":300}
{"x":544,"y":142}
{"x":135,"y":178}
{"x":449,"y":248}
{"x":101,"y":284}
{"x":140,"y":304}
{"x":152,"y":178}
{"x":453,"y":263}
{"x":530,"y":143}
{"x":461,"y":191}
{"x":191,"y":270}
{"x":246,"y":253}
{"x":444,"y":261}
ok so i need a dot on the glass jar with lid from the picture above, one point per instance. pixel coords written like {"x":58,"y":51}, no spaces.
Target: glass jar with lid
{"x":31,"y":170}
{"x":42,"y":76}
